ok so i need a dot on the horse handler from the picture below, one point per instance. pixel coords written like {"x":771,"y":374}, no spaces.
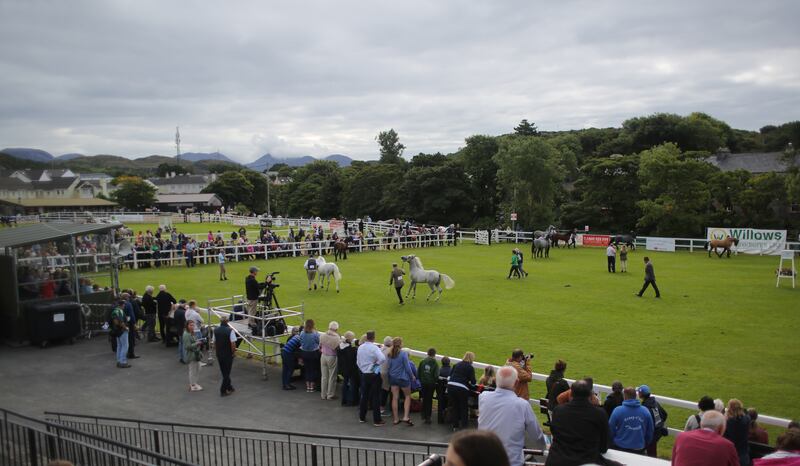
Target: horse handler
{"x":311,"y":270}
{"x":396,"y":279}
{"x":649,"y":278}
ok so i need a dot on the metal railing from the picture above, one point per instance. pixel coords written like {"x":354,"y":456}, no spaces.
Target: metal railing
{"x":231,"y":445}
{"x":29,"y":441}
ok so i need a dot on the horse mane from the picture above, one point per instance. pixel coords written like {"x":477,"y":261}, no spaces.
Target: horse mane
{"x":418,"y":262}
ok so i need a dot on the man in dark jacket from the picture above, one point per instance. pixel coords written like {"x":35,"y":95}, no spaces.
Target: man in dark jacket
{"x":150,"y":311}
{"x":179,"y":320}
{"x":555,"y":383}
{"x":252,"y":291}
{"x":164,"y":302}
{"x":349,"y":370}
{"x":649,"y":278}
{"x":225,"y":344}
{"x":614,"y":398}
{"x":659,"y":416}
{"x":580,"y":430}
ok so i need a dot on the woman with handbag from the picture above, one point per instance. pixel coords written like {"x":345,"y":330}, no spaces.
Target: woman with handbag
{"x":192,"y":355}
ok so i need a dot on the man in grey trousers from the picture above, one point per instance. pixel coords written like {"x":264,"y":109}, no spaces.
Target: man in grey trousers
{"x":649,"y":278}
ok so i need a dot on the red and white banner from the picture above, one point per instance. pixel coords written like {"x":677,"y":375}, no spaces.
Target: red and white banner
{"x":595,"y":240}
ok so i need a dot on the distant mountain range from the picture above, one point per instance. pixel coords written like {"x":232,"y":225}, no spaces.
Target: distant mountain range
{"x":113,"y":161}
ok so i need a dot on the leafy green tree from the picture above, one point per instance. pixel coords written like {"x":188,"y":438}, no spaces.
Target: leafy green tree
{"x":391,"y":148}
{"x":166,"y":168}
{"x":481,"y":169}
{"x":232,"y":187}
{"x":525,"y":129}
{"x":316,"y":190}
{"x":372,"y":189}
{"x":529,"y":175}
{"x":570,"y":151}
{"x":133,"y":193}
{"x":428,"y":160}
{"x":726,"y":189}
{"x":764,"y":201}
{"x":608,"y":192}
{"x":592,"y":138}
{"x":675,"y":192}
{"x":777,"y":138}
{"x":438,"y":194}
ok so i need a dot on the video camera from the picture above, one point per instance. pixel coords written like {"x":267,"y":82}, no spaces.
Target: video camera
{"x":269,"y":281}
{"x":268,"y":290}
{"x":529,"y":356}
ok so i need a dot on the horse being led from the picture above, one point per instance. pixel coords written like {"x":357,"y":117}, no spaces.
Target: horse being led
{"x":326,"y":270}
{"x":541,"y":247}
{"x":725,"y":244}
{"x":434,"y":279}
{"x":555,"y":236}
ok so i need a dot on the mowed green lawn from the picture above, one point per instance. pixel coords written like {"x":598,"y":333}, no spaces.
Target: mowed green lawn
{"x":721,"y":328}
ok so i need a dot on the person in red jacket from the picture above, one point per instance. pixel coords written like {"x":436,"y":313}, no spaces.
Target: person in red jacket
{"x":705,"y":446}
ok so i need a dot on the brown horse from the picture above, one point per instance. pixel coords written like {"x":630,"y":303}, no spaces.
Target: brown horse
{"x":340,"y":250}
{"x":725,"y":244}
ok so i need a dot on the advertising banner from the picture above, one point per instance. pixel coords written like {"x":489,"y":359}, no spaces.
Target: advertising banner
{"x":660,"y":244}
{"x":751,"y":240}
{"x":595,"y":240}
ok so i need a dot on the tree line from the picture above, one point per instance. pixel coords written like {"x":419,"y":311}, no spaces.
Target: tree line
{"x":650,"y":176}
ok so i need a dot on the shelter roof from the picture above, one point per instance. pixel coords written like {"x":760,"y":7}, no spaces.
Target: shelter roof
{"x":201,"y":197}
{"x":42,"y":232}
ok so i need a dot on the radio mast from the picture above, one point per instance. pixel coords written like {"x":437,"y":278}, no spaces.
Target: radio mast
{"x":178,"y":144}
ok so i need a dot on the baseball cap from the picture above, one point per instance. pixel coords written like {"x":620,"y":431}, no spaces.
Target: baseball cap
{"x":643,"y":389}
{"x":253,"y":269}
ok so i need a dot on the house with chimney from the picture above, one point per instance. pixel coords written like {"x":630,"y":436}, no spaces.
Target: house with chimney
{"x":51,"y":190}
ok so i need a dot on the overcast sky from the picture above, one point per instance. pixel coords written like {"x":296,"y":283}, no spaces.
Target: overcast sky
{"x":296,"y":78}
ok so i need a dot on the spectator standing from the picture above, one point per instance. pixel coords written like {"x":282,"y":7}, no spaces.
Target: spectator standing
{"x":566,"y":397}
{"x":737,"y":428}
{"x":757,"y":433}
{"x":119,"y":330}
{"x":508,"y":416}
{"x":189,"y":249}
{"x":225,"y":345}
{"x":519,"y":361}
{"x":659,"y":418}
{"x":476,"y":448}
{"x":649,"y":278}
{"x":194,"y":315}
{"x":441,"y":389}
{"x":289,"y":358}
{"x":631,"y":425}
{"x":150,"y":311}
{"x":349,"y":369}
{"x":400,"y":378}
{"x":130,"y":321}
{"x":556,"y":384}
{"x":309,"y":351}
{"x":192,"y":356}
{"x":221,"y":261}
{"x":611,"y":255}
{"x":580,"y":430}
{"x":428,"y":372}
{"x":252,"y":291}
{"x":179,"y":322}
{"x":520,"y":261}
{"x":369,"y":359}
{"x":706,"y":403}
{"x":623,"y":258}
{"x":385,"y":387}
{"x":462,"y":381}
{"x":705,"y":445}
{"x":329,"y":344}
{"x":396,"y":279}
{"x":614,"y":398}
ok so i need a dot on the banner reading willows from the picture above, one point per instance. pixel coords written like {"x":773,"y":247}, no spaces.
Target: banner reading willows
{"x":752,"y":240}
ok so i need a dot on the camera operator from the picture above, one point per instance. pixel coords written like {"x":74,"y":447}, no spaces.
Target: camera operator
{"x":521,"y":362}
{"x":253,"y":290}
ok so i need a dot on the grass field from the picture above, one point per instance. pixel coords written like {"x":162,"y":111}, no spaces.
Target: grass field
{"x":721,"y":327}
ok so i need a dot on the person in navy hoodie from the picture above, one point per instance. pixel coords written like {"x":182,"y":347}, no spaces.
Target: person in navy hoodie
{"x":631,"y":425}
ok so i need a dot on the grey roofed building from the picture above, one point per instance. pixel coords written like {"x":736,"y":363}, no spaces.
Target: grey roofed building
{"x":55,"y":183}
{"x":757,"y":162}
{"x":181,"y":184}
{"x":179,"y":179}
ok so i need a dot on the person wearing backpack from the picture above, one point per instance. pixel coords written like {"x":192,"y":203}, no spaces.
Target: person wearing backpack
{"x":659,"y":418}
{"x":311,"y":270}
{"x":119,"y":330}
{"x":428,"y":372}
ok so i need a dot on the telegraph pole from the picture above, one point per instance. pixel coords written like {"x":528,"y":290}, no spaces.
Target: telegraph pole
{"x":178,"y":144}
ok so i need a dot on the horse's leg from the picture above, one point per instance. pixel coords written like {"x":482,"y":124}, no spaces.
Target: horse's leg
{"x":433,"y":290}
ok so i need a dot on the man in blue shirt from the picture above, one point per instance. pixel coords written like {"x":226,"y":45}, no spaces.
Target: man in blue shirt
{"x":631,"y":425}
{"x":508,"y":416}
{"x":289,"y":358}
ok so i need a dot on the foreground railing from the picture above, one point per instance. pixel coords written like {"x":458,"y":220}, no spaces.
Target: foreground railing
{"x":233,"y":446}
{"x":29,"y":441}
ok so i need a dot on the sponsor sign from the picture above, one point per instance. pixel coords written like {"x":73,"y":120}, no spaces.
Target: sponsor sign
{"x":595,"y":240}
{"x":751,"y":240}
{"x":127,"y":218}
{"x":513,"y":216}
{"x":660,"y":244}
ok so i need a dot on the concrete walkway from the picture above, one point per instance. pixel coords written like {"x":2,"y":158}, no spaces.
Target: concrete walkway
{"x":82,"y":379}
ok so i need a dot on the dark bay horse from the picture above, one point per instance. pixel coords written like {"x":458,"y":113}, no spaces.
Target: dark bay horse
{"x":627,"y":240}
{"x":340,"y":249}
{"x":725,"y":244}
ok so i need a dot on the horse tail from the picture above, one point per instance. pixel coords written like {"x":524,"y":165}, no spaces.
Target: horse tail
{"x":336,"y":274}
{"x":448,"y":282}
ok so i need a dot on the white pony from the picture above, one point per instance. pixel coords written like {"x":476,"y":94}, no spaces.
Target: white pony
{"x":433,"y":278}
{"x":325,"y":270}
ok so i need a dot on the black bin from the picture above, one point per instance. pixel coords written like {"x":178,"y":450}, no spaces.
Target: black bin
{"x":53,"y":321}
